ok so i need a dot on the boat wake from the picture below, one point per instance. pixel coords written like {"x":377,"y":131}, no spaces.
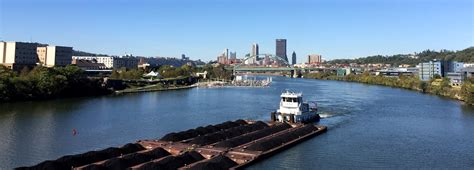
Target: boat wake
{"x":324,"y":115}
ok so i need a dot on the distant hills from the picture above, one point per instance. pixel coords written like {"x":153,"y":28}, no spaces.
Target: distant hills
{"x":83,"y":53}
{"x":466,"y":55}
{"x":153,"y":61}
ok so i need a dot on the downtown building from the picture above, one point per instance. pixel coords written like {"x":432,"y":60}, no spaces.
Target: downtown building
{"x":314,"y":59}
{"x":51,"y":56}
{"x":293,"y":58}
{"x":224,"y":57}
{"x":253,"y":58}
{"x":280,"y":49}
{"x":255,"y":50}
{"x":233,"y":57}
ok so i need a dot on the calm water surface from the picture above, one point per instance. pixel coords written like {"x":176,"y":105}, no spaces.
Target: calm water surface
{"x":369,"y":126}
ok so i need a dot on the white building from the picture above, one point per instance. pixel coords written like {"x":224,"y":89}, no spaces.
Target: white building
{"x":106,"y":60}
{"x":468,"y":65}
{"x":429,"y":69}
{"x":112,"y":62}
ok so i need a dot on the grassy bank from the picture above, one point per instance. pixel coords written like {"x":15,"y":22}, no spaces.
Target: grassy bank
{"x":439,"y":87}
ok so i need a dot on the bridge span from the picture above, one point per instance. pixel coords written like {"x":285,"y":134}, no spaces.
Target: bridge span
{"x":278,"y":69}
{"x":291,"y":71}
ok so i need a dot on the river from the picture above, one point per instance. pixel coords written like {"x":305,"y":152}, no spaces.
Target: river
{"x":369,"y":126}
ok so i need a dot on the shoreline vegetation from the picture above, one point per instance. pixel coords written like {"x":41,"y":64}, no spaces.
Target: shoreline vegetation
{"x":437,"y":86}
{"x":152,"y":88}
{"x":43,"y":83}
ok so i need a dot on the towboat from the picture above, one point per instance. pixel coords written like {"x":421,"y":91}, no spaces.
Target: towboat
{"x":294,"y":110}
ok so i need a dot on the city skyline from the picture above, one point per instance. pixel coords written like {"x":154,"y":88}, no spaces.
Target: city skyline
{"x":335,"y":29}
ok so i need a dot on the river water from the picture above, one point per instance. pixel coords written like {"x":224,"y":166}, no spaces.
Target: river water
{"x":369,"y":126}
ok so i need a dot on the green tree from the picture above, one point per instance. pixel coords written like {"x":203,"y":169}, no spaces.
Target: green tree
{"x":45,"y":83}
{"x":467,"y":91}
{"x":115,"y":74}
{"x":423,"y":86}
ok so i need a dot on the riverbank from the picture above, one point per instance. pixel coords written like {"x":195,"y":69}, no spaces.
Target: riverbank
{"x":152,"y":88}
{"x":235,"y":83}
{"x":440,"y":87}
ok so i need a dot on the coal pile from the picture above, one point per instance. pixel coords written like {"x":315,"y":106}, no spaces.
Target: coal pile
{"x":94,"y":167}
{"x":276,"y":141}
{"x":173,"y":162}
{"x":191,"y":133}
{"x":227,"y":134}
{"x":240,"y":140}
{"x":69,"y":161}
{"x":131,"y":159}
{"x":130,"y":148}
{"x":216,"y":163}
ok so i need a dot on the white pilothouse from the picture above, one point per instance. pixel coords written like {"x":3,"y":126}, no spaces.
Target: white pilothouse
{"x":294,"y":110}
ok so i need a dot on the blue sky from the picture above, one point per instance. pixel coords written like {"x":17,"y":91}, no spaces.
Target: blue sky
{"x":202,"y":29}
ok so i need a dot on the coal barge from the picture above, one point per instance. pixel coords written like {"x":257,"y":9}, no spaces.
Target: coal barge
{"x":229,"y":145}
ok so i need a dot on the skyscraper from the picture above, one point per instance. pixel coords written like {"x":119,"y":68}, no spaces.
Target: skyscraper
{"x":293,"y":58}
{"x":280,"y":49}
{"x":226,"y":53}
{"x":254,"y":50}
{"x":233,"y":57}
{"x":253,"y":54}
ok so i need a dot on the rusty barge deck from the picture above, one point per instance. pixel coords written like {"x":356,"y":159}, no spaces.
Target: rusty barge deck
{"x":229,"y":145}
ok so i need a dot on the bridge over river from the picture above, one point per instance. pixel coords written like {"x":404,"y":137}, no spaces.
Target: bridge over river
{"x":291,"y":71}
{"x":279,"y":69}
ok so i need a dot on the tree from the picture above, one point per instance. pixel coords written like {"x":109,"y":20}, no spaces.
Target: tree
{"x":115,"y":74}
{"x":465,"y":55}
{"x":423,"y":86}
{"x":467,"y":91}
{"x":45,"y":83}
